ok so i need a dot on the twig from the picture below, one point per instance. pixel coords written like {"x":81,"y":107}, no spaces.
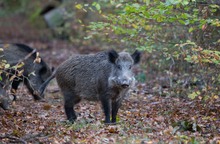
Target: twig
{"x":26,"y":57}
{"x":23,"y":139}
{"x":171,"y":67}
{"x":35,"y":136}
{"x":13,"y":139}
{"x":54,"y":91}
{"x":29,"y":137}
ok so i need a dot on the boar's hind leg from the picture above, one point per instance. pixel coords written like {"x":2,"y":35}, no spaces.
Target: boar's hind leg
{"x":106,"y":108}
{"x":4,"y":103}
{"x":69,"y":101}
{"x":115,"y":106}
{"x":14,"y":88}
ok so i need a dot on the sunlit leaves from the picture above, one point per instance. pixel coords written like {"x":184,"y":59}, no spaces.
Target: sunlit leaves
{"x":134,"y":16}
{"x":6,"y":66}
{"x":97,"y":6}
{"x":79,"y":6}
{"x":191,"y":29}
{"x":194,"y":95}
{"x":37,"y":59}
{"x":215,"y":22}
{"x":204,"y":56}
{"x":214,"y":7}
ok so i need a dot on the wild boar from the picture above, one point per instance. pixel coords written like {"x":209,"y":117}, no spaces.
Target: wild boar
{"x":105,"y":76}
{"x":34,"y":74}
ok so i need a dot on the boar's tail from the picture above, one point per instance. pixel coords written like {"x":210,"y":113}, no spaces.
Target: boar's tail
{"x":44,"y":85}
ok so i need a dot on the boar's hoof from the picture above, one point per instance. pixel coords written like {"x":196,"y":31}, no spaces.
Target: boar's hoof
{"x":37,"y":95}
{"x":111,"y":123}
{"x":71,"y":121}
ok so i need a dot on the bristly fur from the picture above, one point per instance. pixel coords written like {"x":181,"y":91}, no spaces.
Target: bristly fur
{"x":105,"y":76}
{"x":15,"y":53}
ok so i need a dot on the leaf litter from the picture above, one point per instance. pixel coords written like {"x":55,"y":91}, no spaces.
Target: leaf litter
{"x":143,"y":118}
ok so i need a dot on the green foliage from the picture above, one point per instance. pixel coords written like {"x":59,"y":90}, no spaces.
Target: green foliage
{"x":181,"y":37}
{"x":6,"y":68}
{"x":156,"y":25}
{"x":13,"y":7}
{"x":186,"y":126}
{"x":179,"y":32}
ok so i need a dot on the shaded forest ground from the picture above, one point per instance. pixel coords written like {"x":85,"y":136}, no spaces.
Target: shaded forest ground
{"x":145,"y":117}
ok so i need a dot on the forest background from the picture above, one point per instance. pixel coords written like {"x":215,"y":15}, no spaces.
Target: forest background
{"x":177,"y":96}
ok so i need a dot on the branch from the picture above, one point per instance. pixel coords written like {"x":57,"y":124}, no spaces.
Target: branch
{"x":13,"y":139}
{"x":26,"y":57}
{"x":32,"y":136}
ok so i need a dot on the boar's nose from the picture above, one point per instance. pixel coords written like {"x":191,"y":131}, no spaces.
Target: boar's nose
{"x":124,"y":85}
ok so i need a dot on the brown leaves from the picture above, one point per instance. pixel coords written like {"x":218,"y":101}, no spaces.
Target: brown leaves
{"x":37,"y":59}
{"x":46,"y":107}
{"x":143,"y":118}
{"x":112,"y":129}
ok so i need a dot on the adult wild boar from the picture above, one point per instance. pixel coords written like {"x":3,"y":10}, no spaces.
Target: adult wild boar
{"x":106,"y":76}
{"x":34,"y":73}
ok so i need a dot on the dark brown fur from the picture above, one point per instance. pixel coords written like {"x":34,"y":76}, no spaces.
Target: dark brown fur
{"x":34,"y":75}
{"x":106,"y":76}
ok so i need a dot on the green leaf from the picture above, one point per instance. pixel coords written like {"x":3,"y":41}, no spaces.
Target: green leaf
{"x":191,"y":29}
{"x":79,"y":6}
{"x":185,"y":2}
{"x":147,"y":2}
{"x":96,"y":5}
{"x":194,"y":95}
{"x":7,"y":66}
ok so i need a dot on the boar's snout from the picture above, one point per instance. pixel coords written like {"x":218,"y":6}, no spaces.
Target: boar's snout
{"x":126,"y":82}
{"x":122,"y":82}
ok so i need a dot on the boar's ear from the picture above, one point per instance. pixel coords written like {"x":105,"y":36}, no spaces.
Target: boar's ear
{"x":136,"y":56}
{"x":112,"y":55}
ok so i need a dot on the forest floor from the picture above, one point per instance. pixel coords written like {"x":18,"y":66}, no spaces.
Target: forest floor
{"x":145,"y":117}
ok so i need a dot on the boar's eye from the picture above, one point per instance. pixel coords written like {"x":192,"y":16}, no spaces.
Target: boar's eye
{"x":119,"y":67}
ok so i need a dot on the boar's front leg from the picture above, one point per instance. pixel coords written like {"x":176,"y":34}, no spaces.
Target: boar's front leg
{"x":106,"y":108}
{"x":115,"y":106}
{"x":14,"y":87}
{"x":69,"y":101}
